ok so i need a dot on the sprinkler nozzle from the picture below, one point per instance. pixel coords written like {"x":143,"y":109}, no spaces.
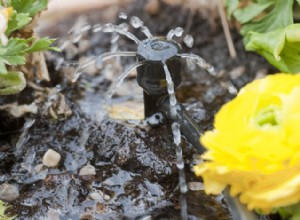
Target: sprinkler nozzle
{"x":151,"y":76}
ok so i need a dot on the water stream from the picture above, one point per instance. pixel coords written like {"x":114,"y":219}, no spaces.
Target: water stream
{"x":177,"y":142}
{"x":120,"y":80}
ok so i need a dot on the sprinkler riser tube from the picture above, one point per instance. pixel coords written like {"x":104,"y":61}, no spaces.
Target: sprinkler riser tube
{"x":151,"y":76}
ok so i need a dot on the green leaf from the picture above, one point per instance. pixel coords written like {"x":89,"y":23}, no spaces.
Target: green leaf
{"x":244,"y":15}
{"x":12,"y":83}
{"x":273,"y":42}
{"x":17,"y":22}
{"x":2,"y":68}
{"x":3,"y":208}
{"x":42,"y":44}
{"x":231,"y":6}
{"x":280,"y":47}
{"x":279,"y":17}
{"x":291,"y":212}
{"x":31,"y":7}
{"x":13,"y":53}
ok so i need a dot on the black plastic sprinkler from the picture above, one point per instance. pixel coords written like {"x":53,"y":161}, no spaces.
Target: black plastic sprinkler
{"x":152,"y":78}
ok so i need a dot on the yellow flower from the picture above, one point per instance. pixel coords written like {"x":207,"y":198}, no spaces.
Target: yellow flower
{"x":255,"y":146}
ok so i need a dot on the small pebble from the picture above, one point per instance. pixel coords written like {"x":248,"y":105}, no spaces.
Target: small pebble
{"x":106,"y":197}
{"x":95,"y":196}
{"x":195,"y":186}
{"x":52,"y":214}
{"x":51,"y":158}
{"x":8,"y":192}
{"x":87,"y":170}
{"x":99,"y":195}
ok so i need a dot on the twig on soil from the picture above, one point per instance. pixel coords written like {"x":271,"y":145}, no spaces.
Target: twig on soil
{"x":226,"y":30}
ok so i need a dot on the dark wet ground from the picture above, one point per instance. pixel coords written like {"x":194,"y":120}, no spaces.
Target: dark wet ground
{"x":136,"y":174}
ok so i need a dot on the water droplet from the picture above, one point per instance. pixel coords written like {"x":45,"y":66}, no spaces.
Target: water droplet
{"x":173,"y":101}
{"x":178,"y":31}
{"x":189,"y":41}
{"x":146,"y":31}
{"x":231,"y":88}
{"x":171,"y":34}
{"x":136,"y":22}
{"x":76,"y":76}
{"x":97,"y":28}
{"x":180,"y":166}
{"x":171,"y":88}
{"x":85,"y":28}
{"x":201,"y":63}
{"x":211,"y":70}
{"x":114,"y":38}
{"x":108,"y":28}
{"x":124,"y":26}
{"x":58,"y":88}
{"x":191,"y":64}
{"x":122,"y":15}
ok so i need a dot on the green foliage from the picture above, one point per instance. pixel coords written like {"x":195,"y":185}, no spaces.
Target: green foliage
{"x":30,"y":7}
{"x":291,"y":212}
{"x":16,"y":50}
{"x":266,"y":25}
{"x":17,"y":22}
{"x":3,"y":208}
{"x":11,"y":82}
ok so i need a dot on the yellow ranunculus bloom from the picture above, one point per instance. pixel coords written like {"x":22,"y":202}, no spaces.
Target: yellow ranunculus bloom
{"x":255,"y":146}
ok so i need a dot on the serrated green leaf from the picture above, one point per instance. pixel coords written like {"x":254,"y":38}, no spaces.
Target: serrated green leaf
{"x":244,"y":15}
{"x":12,"y":83}
{"x":40,"y":45}
{"x":13,"y":53}
{"x":280,"y":47}
{"x":231,"y":6}
{"x":31,"y":7}
{"x":17,"y":22}
{"x":279,"y":17}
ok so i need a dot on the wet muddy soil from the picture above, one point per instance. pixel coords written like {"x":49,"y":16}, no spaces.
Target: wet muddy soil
{"x":135,"y":164}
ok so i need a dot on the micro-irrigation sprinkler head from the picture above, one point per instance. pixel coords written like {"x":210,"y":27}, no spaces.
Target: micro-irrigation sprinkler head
{"x":151,"y":76}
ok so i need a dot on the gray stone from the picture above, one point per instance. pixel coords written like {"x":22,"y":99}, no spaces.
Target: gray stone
{"x":87,"y":170}
{"x":9,"y":192}
{"x":51,"y":158}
